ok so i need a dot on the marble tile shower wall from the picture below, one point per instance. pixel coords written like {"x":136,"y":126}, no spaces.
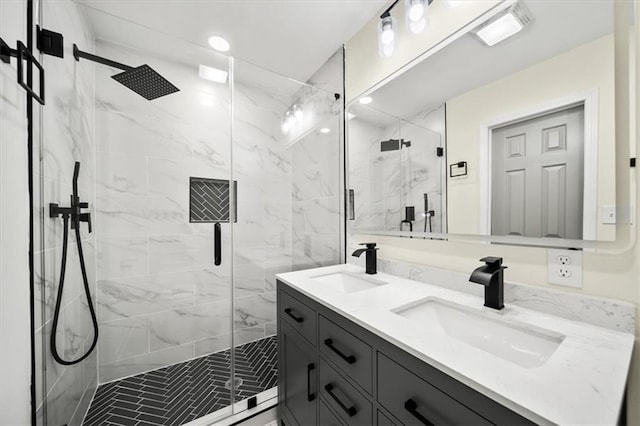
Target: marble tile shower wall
{"x":386,"y":182}
{"x":67,"y":136}
{"x":160,"y":298}
{"x":316,"y":181}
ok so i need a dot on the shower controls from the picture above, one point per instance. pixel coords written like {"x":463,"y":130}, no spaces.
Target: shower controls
{"x":72,"y":217}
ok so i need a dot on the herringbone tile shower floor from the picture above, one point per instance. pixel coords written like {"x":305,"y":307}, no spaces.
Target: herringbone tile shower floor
{"x":183,"y":392}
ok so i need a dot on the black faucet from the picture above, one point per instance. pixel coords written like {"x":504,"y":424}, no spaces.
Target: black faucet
{"x":492,"y":278}
{"x":371,"y":260}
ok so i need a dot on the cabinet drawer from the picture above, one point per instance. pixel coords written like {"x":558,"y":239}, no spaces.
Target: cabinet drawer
{"x":301,"y":317}
{"x":346,"y":351}
{"x":384,"y":420}
{"x":327,"y":418}
{"x":414,"y":401}
{"x":351,"y":406}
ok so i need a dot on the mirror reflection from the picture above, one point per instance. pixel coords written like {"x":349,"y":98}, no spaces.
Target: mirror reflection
{"x":496,"y":136}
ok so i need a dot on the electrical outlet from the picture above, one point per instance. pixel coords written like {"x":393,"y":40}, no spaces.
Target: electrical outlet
{"x":564,"y":267}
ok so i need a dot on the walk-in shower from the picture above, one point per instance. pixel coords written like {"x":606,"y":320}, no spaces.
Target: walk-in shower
{"x":195,"y":200}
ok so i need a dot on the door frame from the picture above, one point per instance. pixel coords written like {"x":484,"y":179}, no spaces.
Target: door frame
{"x":589,"y":99}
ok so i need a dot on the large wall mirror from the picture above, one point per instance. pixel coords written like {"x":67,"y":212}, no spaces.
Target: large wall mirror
{"x":514,"y":140}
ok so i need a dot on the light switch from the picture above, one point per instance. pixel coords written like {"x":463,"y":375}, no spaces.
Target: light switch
{"x":609,"y":214}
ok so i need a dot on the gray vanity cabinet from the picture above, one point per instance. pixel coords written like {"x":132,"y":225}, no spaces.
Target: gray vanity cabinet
{"x":298,"y":376}
{"x":334,"y":372}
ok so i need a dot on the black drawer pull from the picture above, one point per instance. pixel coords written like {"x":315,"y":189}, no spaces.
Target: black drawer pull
{"x":310,"y":396}
{"x":351,"y":411}
{"x":349,"y":358}
{"x":412,"y":407}
{"x":297,"y":319}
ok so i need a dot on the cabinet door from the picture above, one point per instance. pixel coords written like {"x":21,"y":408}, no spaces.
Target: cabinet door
{"x":298,"y":377}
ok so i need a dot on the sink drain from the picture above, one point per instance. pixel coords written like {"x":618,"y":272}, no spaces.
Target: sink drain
{"x":237,"y":381}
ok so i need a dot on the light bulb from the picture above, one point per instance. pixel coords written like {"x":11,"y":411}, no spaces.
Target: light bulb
{"x":418,"y":26}
{"x":365,"y":100}
{"x":388,"y":35}
{"x":416,"y":12}
{"x":325,"y":130}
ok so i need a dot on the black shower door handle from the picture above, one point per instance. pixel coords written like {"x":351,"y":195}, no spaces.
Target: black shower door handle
{"x":217,"y":244}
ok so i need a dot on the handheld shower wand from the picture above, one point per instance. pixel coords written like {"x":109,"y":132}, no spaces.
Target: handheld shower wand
{"x":74,"y":214}
{"x":428,"y":214}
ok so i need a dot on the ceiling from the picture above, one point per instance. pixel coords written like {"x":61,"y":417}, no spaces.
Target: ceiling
{"x":291,"y":37}
{"x":558,"y":26}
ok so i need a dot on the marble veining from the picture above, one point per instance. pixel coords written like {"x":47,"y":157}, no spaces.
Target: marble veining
{"x":582,"y":382}
{"x":612,"y":314}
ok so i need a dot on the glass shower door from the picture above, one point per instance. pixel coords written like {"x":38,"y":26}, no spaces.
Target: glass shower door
{"x":286,"y":159}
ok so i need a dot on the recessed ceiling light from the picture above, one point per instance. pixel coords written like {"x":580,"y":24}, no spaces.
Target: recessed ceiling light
{"x":219,"y":43}
{"x":325,"y":130}
{"x":365,"y":100}
{"x":212,"y":74}
{"x":498,"y":29}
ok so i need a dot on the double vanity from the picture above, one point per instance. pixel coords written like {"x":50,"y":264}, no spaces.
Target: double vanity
{"x":365,"y":349}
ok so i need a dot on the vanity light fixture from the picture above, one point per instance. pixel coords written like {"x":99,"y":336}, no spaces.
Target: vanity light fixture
{"x":219,"y":43}
{"x":212,"y":74}
{"x":365,"y":100}
{"x":416,"y":15}
{"x":415,"y":18}
{"x":501,"y":27}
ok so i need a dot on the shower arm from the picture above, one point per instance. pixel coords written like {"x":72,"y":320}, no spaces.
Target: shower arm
{"x":77,"y":53}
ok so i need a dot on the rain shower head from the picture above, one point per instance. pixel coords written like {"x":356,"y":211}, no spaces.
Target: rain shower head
{"x":143,"y":80}
{"x":146,"y":82}
{"x":393,"y":144}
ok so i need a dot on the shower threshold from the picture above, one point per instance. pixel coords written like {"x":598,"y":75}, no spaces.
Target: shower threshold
{"x":184,"y":392}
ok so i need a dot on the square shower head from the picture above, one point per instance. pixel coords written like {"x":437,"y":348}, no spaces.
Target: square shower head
{"x":146,"y":82}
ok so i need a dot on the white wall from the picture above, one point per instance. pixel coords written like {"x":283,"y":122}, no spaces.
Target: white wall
{"x":585,"y":68}
{"x":15,"y":357}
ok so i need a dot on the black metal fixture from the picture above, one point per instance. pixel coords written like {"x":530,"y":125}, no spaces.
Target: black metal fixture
{"x":428,"y":214}
{"x":371,"y":259}
{"x":491,"y":276}
{"x":394,"y":145}
{"x":50,"y":42}
{"x":143,"y":80}
{"x":76,"y":216}
{"x":23,"y":55}
{"x":409,"y":217}
{"x":458,"y":169}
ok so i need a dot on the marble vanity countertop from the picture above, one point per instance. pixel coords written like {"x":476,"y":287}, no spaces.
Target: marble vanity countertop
{"x":582,"y":382}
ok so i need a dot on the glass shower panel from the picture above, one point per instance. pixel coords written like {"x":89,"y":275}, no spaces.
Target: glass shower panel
{"x":286,"y":162}
{"x":374,"y":169}
{"x":422,"y":175}
{"x":155,"y":174}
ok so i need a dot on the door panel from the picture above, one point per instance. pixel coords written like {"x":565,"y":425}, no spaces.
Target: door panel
{"x":538,"y":177}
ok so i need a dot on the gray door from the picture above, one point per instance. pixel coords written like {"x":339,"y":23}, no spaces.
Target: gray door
{"x":537,"y":176}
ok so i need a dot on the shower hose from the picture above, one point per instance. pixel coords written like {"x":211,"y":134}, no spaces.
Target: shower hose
{"x":56,"y":313}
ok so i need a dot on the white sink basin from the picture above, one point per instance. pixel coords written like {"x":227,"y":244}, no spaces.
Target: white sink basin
{"x":347,"y":282}
{"x":522,"y":344}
